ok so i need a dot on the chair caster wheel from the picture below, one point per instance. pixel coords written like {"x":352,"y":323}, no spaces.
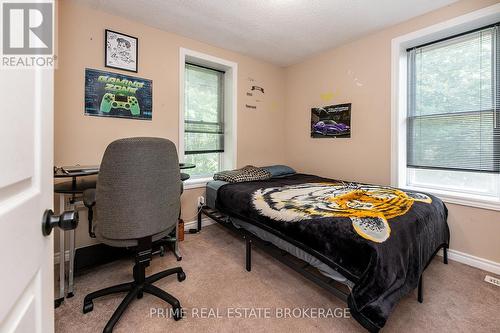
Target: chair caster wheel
{"x":69,"y":295}
{"x":162,"y":251}
{"x":177,"y":314}
{"x":181,"y":276}
{"x":87,"y":307}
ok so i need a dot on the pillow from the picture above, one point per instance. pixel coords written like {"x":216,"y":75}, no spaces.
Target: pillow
{"x":279,"y":170}
{"x":245,"y":174}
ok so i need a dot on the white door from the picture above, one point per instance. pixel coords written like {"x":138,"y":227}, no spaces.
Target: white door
{"x":26,"y":162}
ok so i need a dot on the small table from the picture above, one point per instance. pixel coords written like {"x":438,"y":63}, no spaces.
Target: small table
{"x":82,"y":180}
{"x":186,"y":166}
{"x":185,"y":176}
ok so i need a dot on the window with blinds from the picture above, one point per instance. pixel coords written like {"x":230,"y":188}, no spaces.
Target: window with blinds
{"x":203,"y":119}
{"x":453,"y":121}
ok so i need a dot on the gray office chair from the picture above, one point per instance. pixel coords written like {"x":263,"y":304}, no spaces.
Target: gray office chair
{"x":137,"y":202}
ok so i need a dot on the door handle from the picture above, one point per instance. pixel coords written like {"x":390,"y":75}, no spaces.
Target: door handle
{"x":66,"y":221}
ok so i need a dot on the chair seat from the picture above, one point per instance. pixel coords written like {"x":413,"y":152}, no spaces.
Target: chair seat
{"x":128,"y":242}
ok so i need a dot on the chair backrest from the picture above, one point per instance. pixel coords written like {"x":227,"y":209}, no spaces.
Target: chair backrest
{"x":138,"y":189}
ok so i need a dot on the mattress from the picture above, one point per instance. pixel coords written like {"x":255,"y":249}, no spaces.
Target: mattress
{"x":211,"y":196}
{"x":379,"y":237}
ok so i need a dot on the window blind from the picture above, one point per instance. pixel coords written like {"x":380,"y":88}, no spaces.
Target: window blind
{"x":453,"y":103}
{"x":204,"y":110}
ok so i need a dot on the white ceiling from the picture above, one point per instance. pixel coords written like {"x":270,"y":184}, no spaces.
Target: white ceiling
{"x":282,"y":32}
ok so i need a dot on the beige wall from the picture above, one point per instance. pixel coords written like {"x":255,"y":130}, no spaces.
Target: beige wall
{"x":357,"y":72}
{"x":360,"y":72}
{"x":82,"y":139}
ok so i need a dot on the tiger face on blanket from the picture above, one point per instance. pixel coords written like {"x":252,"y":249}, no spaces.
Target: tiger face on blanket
{"x":367,"y":206}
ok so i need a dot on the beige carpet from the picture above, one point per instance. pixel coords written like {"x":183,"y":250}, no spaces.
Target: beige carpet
{"x":455,"y":297}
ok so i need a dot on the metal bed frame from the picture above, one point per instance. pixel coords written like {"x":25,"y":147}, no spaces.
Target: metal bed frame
{"x":311,"y":273}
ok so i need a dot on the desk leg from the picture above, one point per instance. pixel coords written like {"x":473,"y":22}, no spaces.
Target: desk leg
{"x":62,"y":256}
{"x":71,"y":262}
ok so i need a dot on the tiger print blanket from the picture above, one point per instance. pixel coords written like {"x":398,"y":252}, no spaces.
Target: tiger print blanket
{"x":380,"y":238}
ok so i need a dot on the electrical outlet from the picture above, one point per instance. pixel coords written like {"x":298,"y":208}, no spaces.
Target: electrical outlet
{"x":492,"y":280}
{"x":201,"y":201}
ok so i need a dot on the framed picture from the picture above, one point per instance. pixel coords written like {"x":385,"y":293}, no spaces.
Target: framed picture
{"x":332,"y":121}
{"x":121,"y":51}
{"x":117,"y":95}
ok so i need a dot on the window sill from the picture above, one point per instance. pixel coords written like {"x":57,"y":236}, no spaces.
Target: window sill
{"x":196,"y":182}
{"x":463,"y":199}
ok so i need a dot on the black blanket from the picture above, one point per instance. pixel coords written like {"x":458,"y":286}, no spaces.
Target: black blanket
{"x":380,"y":238}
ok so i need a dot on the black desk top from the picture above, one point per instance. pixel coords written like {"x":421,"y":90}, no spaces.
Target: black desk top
{"x":59,"y":173}
{"x":80,"y":183}
{"x":76,"y":186}
{"x":186,"y":166}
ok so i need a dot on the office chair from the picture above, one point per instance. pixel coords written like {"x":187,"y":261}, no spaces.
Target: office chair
{"x":137,"y":203}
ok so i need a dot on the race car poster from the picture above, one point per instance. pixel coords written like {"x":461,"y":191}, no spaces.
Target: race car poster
{"x":332,"y":121}
{"x":116,"y":95}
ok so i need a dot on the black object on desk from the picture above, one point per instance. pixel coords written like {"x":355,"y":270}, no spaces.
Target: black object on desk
{"x":74,"y":172}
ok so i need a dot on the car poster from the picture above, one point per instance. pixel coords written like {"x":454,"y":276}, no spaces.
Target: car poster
{"x":332,"y":121}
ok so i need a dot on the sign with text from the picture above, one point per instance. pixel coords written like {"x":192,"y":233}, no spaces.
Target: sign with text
{"x":116,"y":95}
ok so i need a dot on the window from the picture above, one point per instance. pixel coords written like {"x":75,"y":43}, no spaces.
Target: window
{"x":453,"y":120}
{"x":207,"y":115}
{"x":203,"y":119}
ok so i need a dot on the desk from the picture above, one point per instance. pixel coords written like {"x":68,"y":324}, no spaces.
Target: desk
{"x":81,"y":180}
{"x":74,"y":187}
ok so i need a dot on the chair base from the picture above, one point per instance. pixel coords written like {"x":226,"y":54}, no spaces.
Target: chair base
{"x":136,"y":289}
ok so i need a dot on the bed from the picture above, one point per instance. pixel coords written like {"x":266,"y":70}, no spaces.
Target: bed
{"x":374,"y":240}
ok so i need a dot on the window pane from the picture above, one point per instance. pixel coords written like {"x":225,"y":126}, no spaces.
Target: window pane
{"x":203,"y":94}
{"x":451,"y":120}
{"x":204,"y":119}
{"x":201,"y":141}
{"x":456,"y":76}
{"x":206,"y":164}
{"x":456,"y":141}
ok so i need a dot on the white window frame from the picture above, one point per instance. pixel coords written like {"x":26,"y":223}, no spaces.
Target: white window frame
{"x":467,"y":22}
{"x":230,"y":68}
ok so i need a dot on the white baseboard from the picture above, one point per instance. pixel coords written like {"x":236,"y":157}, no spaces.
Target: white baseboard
{"x":470,"y":260}
{"x":206,"y":221}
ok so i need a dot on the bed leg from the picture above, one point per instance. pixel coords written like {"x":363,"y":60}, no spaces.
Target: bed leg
{"x":420,"y":296}
{"x":199,"y":219}
{"x":248,"y":243}
{"x":445,"y":255}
